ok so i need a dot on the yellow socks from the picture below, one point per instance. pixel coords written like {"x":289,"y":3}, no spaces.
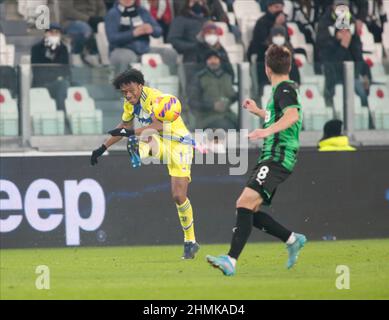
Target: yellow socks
{"x":185,"y":214}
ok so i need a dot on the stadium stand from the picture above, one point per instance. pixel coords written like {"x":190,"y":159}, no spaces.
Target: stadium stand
{"x":102,"y":43}
{"x":315,"y":114}
{"x":157,"y":74}
{"x":9,"y":116}
{"x":101,"y":102}
{"x":7,"y":52}
{"x":361,"y":114}
{"x":46,"y":119}
{"x":379,"y":105}
{"x":81,"y":112}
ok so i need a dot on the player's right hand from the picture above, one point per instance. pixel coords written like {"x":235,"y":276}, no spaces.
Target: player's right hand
{"x":250,"y":105}
{"x":97,"y":153}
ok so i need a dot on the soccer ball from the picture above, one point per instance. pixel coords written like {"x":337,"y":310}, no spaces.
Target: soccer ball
{"x":167,"y":108}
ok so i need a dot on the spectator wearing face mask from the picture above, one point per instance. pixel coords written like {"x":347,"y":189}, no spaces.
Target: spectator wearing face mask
{"x":50,"y":65}
{"x":186,"y":26}
{"x":129,"y":27}
{"x":278,"y":36}
{"x":208,"y":40}
{"x":212,"y":94}
{"x":274,"y":16}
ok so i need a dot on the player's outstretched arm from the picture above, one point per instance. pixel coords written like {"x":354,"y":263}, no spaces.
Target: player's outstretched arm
{"x":290,"y":117}
{"x":109,"y":142}
{"x":252,"y":107}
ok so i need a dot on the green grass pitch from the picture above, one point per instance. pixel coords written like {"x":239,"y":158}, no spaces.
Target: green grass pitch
{"x":158,"y":272}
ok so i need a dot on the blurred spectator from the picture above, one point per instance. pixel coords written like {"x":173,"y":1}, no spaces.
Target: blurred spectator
{"x":80,"y":20}
{"x":359,"y":9}
{"x":50,"y":65}
{"x":376,"y":19}
{"x":160,"y":10}
{"x":214,"y":7}
{"x":186,"y":26}
{"x":208,"y":40}
{"x":306,"y":14}
{"x":9,"y":79}
{"x":337,"y":46}
{"x":129,"y":27}
{"x":109,"y":4}
{"x":274,"y":16}
{"x":333,"y":139}
{"x":278,"y":36}
{"x":212,"y":95}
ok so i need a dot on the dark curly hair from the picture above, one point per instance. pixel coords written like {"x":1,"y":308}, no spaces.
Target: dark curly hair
{"x":128,"y":76}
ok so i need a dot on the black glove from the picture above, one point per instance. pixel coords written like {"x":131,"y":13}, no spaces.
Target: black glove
{"x":121,"y":132}
{"x":97,"y":153}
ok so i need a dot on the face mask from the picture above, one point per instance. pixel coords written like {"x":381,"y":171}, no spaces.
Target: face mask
{"x":211,"y":39}
{"x":278,"y":40}
{"x":197,"y":9}
{"x":274,"y":15}
{"x":214,"y":67}
{"x":53,"y":42}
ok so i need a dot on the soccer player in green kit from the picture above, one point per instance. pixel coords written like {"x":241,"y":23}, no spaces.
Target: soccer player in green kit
{"x":282,"y":125}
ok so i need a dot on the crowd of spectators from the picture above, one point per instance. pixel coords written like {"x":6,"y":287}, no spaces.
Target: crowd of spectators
{"x":190,"y":29}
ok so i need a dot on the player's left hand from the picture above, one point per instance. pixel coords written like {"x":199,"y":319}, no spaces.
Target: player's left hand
{"x":121,"y":132}
{"x":259,"y":134}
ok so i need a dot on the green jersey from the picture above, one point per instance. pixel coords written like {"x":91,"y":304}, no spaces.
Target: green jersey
{"x":282,"y":147}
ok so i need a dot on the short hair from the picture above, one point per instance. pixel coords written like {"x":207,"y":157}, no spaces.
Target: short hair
{"x":128,"y":76}
{"x":278,"y":59}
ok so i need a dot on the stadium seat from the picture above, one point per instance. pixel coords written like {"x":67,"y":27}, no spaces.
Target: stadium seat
{"x":246,"y":9}
{"x":315,"y":112}
{"x":235,"y":53}
{"x":288,"y":8}
{"x":376,"y":68}
{"x":7,"y":52}
{"x":361,"y":114}
{"x":81,"y":112}
{"x":247,"y":27}
{"x":102,"y":92}
{"x":379,"y":106}
{"x":151,"y":59}
{"x":168,"y":84}
{"x":9,"y":116}
{"x":102,"y":44}
{"x":367,"y":39}
{"x":46,"y":119}
{"x":157,"y":74}
{"x":385,"y":36}
{"x":298,"y":41}
{"x":156,"y":42}
{"x":307,"y":73}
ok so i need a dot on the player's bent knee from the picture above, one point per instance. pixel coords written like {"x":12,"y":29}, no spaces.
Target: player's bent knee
{"x":179,"y":197}
{"x":250,"y":200}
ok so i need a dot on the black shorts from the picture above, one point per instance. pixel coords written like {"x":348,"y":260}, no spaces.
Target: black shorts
{"x":266,"y":177}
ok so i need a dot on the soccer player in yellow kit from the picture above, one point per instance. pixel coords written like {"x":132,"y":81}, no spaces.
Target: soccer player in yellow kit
{"x":172,"y":143}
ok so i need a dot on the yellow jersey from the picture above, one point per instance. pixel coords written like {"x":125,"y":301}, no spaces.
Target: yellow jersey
{"x":143,"y":112}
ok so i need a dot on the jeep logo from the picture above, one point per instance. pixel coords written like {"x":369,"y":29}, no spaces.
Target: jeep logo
{"x":33,"y":203}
